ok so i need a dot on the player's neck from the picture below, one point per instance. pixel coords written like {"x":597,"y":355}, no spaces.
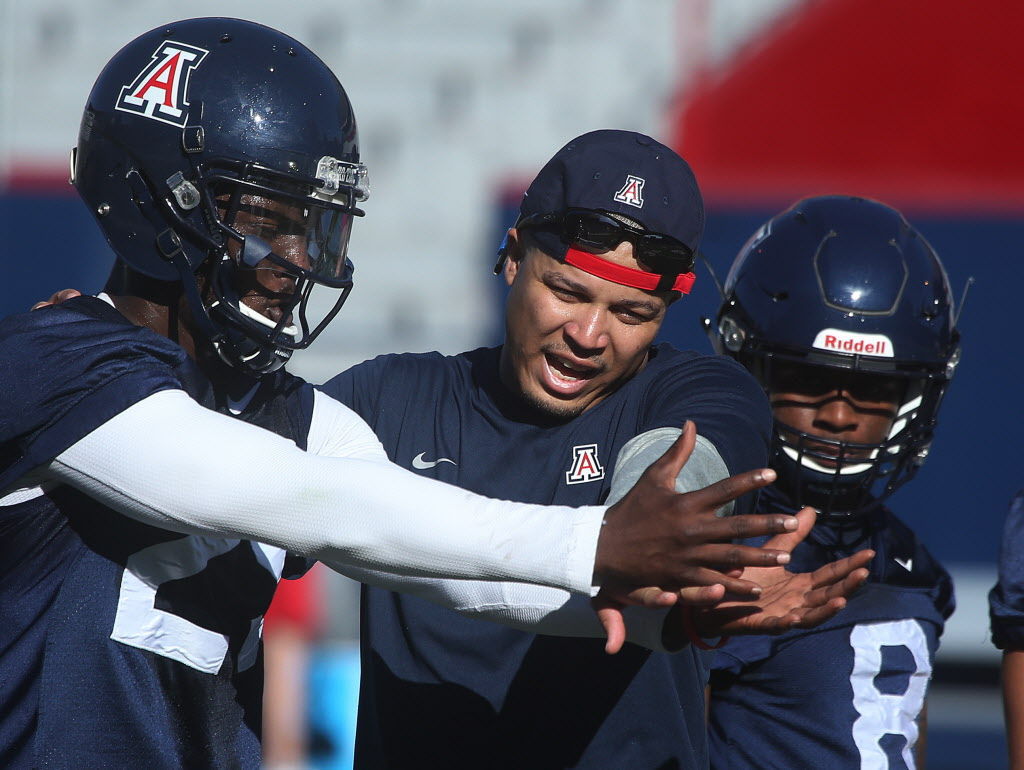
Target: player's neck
{"x":163,"y":319}
{"x":156,"y":305}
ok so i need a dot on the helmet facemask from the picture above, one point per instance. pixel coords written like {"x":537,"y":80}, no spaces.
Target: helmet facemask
{"x":844,"y":479}
{"x":272,"y":238}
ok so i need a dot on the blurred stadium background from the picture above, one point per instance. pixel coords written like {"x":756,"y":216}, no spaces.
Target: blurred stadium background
{"x":459,"y":102}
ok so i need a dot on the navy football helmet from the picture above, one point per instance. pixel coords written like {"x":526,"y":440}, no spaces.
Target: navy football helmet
{"x":844,"y":283}
{"x":196,"y":137}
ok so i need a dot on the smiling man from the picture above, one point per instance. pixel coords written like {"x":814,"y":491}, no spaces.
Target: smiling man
{"x":563,"y":361}
{"x":571,"y":409}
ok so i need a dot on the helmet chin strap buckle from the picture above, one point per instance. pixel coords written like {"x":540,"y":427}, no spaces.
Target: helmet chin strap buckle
{"x":169,"y":244}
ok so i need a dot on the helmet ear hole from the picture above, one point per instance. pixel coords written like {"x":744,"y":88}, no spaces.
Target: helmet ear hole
{"x":731,"y":334}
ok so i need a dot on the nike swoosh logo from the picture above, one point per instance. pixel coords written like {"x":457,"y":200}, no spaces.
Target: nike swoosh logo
{"x":908,"y":565}
{"x":421,"y":465}
{"x":239,"y":406}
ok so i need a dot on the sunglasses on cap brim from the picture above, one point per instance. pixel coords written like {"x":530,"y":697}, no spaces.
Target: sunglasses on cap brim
{"x":598,"y":231}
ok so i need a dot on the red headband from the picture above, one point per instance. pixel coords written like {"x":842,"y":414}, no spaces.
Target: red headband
{"x":627,"y":276}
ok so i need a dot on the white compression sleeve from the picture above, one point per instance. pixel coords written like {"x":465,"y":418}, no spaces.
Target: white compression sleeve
{"x":337,"y":431}
{"x":168,"y":461}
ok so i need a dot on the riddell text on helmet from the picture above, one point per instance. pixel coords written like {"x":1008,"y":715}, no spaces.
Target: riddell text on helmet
{"x":854,"y":342}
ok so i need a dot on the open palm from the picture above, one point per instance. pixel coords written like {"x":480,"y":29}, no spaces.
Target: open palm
{"x":787,"y":599}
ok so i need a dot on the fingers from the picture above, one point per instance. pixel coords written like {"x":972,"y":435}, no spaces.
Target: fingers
{"x":716,"y":495}
{"x":610,"y":602}
{"x":709,"y":527}
{"x":613,"y":622}
{"x":788,"y":541}
{"x":837,"y":570}
{"x":797,"y":607}
{"x":664,"y":470}
{"x":56,"y":299}
{"x":798,"y":617}
{"x":841,"y":589}
{"x":726,"y":557}
{"x":654,"y":536}
{"x":724,"y":563}
{"x":814,"y":616}
{"x":651,"y":597}
{"x":735,"y":588}
{"x":702,"y":596}
{"x":821,"y":604}
{"x":609,"y":605}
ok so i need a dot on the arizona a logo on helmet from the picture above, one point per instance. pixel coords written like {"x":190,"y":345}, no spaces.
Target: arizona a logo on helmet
{"x":159,"y":91}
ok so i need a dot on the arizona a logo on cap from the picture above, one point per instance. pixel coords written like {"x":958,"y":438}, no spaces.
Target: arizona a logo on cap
{"x":159,"y":91}
{"x":854,"y":342}
{"x":631,"y":192}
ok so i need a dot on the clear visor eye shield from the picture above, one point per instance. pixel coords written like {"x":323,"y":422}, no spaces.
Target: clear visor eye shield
{"x":578,"y":235}
{"x":295,"y":228}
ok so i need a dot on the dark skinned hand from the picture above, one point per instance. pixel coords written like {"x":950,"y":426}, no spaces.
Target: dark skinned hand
{"x":787,"y":599}
{"x":655,"y":538}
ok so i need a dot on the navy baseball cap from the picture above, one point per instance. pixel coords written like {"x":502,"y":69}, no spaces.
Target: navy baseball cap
{"x":623,"y":173}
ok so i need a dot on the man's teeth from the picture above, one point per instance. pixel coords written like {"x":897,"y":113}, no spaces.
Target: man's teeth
{"x":566,"y":370}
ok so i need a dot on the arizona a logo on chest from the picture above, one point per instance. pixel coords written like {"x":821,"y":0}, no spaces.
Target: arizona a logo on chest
{"x":585,"y":465}
{"x":160,"y":90}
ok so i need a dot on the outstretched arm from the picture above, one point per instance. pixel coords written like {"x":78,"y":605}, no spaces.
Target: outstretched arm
{"x":170,"y":462}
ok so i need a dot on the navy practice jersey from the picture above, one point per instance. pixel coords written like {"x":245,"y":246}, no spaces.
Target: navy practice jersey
{"x":121,"y":644}
{"x":440,"y":690}
{"x":847,"y":693}
{"x":1006,"y":599}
